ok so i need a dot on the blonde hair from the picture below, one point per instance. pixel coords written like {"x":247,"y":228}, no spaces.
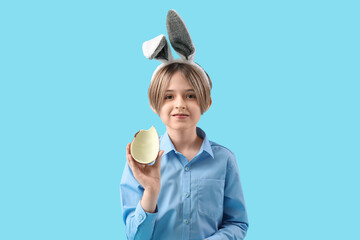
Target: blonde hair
{"x":196,"y":79}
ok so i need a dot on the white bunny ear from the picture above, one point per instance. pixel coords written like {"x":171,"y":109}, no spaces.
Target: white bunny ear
{"x":179,"y":36}
{"x":158,"y":48}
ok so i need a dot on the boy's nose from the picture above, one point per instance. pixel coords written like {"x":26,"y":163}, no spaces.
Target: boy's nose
{"x":180,"y":103}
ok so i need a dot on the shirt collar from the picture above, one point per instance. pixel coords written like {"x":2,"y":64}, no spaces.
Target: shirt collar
{"x":167,"y":145}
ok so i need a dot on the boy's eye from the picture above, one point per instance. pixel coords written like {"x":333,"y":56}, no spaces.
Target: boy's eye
{"x":190,"y":96}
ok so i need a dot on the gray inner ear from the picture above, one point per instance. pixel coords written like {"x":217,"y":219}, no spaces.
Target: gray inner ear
{"x":178,"y":35}
{"x":161,"y":51}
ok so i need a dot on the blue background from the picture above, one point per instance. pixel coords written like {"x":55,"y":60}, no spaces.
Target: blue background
{"x":73,"y":92}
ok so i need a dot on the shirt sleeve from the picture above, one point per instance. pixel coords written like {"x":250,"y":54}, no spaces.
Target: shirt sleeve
{"x":235,"y":221}
{"x":139,"y":224}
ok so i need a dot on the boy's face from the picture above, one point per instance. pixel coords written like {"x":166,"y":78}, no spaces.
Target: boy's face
{"x":180,"y":99}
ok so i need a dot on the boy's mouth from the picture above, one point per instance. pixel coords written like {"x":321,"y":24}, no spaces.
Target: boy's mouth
{"x":180,"y":116}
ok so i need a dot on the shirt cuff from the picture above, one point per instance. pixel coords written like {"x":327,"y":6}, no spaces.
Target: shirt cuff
{"x":141,"y":216}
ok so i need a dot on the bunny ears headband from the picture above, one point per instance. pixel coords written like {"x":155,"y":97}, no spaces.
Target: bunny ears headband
{"x":158,"y":48}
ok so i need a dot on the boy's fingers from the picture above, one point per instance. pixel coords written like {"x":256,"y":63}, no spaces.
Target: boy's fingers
{"x":160,"y":154}
{"x":128,"y":148}
{"x":158,"y":160}
{"x":138,"y":165}
{"x":132,"y":164}
{"x":129,"y":160}
{"x":128,"y":155}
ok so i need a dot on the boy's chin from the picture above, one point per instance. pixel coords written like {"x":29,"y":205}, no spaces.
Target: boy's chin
{"x":180,"y":126}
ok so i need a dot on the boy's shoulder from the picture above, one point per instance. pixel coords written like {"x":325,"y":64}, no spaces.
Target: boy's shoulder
{"x":215,"y":145}
{"x":226,"y":155}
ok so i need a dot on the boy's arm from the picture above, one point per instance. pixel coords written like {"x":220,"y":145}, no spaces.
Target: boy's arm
{"x":139,"y":223}
{"x":235,"y":221}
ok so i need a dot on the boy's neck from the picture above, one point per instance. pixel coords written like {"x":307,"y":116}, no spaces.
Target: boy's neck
{"x":185,"y":140}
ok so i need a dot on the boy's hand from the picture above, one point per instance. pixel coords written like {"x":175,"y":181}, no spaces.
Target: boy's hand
{"x":149,"y":176}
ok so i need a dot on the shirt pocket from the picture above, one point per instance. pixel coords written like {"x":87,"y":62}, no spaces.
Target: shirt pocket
{"x":211,"y":197}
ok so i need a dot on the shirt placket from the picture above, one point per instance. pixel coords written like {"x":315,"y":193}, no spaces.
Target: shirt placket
{"x":186,"y":202}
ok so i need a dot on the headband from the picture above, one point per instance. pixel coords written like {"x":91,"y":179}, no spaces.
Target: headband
{"x":158,"y":48}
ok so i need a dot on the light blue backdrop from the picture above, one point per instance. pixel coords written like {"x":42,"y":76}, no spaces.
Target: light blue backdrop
{"x":73,"y":92}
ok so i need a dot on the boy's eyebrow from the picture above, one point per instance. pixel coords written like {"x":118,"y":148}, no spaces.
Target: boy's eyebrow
{"x":187,"y":90}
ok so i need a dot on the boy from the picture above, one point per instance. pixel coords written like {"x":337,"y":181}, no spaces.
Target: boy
{"x":193,"y":189}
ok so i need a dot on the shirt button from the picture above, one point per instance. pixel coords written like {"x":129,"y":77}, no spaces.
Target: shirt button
{"x":186,"y":221}
{"x":187,"y":169}
{"x":141,"y":217}
{"x":187,"y":195}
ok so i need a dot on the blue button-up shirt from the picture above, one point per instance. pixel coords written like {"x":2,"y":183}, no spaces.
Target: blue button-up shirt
{"x":199,"y":199}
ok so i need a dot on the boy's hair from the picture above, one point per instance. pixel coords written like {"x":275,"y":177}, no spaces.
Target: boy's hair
{"x":196,"y":79}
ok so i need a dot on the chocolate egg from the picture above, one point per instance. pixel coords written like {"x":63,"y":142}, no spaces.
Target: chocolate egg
{"x":145,"y":146}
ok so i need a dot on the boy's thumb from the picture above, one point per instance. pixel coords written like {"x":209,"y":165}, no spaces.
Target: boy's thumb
{"x":159,"y":156}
